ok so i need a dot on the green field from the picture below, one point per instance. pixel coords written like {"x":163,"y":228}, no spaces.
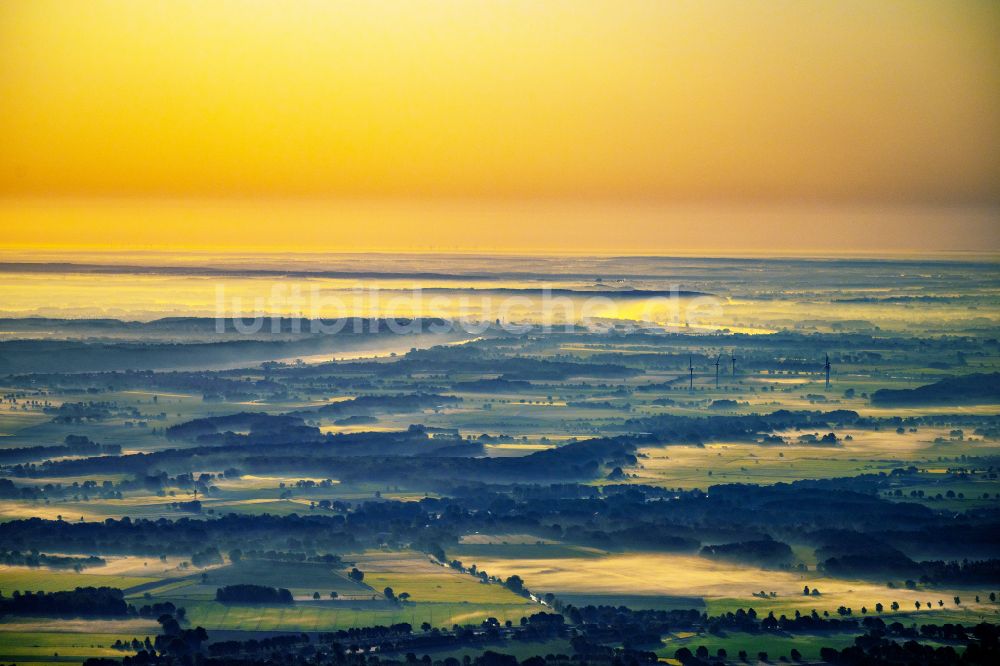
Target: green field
{"x":47,"y":580}
{"x":343,"y":614}
{"x":775,"y":646}
{"x":301,"y":578}
{"x":62,"y":648}
{"x":40,"y":640}
{"x":440,"y":596}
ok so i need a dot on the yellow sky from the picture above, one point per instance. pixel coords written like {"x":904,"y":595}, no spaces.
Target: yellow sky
{"x":654,"y":104}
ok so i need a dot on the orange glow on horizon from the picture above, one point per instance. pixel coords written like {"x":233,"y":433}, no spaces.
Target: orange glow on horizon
{"x":603,"y":105}
{"x":36,"y":227}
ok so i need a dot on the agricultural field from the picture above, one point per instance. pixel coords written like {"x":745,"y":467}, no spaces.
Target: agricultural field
{"x":40,"y":579}
{"x":47,"y":642}
{"x":471,"y":547}
{"x":687,"y":467}
{"x":319,"y":617}
{"x":426,"y":581}
{"x":437,"y":595}
{"x":63,"y":645}
{"x":301,"y":578}
{"x":775,"y":647}
{"x":660,"y":580}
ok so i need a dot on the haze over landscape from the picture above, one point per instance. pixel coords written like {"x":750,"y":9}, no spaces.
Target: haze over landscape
{"x":471,"y":333}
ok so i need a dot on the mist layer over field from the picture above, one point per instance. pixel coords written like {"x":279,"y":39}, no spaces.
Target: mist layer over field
{"x":688,"y":294}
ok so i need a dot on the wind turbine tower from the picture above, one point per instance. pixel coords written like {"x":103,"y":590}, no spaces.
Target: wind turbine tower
{"x":718,"y":359}
{"x":690,"y":374}
{"x":826,"y":367}
{"x":732,"y":356}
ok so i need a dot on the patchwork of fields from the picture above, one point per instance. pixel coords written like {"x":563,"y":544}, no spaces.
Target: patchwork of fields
{"x":652,"y":480}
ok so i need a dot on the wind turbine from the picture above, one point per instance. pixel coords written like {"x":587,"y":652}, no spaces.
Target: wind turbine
{"x":826,"y":367}
{"x":690,"y":374}
{"x":718,"y":359}
{"x":733,"y":357}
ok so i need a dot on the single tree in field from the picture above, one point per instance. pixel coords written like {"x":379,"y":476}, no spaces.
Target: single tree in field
{"x":315,"y":595}
{"x":917,"y":604}
{"x":895,"y":606}
{"x":958,"y":601}
{"x":878,"y":608}
{"x":515,"y":584}
{"x":334,"y":595}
